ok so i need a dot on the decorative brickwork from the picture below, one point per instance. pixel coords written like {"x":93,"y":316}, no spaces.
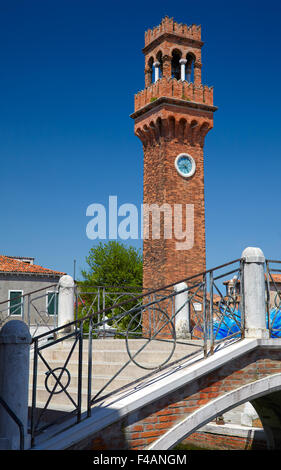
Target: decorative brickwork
{"x":139,"y":429}
{"x":169,"y":26}
{"x":170,"y":87}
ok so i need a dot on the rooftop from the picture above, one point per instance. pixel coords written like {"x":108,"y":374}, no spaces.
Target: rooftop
{"x":11,"y":265}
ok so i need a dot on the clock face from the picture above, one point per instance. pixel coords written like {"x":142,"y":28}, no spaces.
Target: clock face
{"x":185,"y":165}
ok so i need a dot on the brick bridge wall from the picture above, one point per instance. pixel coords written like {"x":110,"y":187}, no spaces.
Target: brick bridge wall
{"x":142,"y":427}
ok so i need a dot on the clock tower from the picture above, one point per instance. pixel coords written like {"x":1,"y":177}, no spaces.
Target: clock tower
{"x":172,"y":116}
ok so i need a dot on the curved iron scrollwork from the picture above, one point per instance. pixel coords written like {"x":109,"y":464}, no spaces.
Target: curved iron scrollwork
{"x":277,"y":299}
{"x":58,"y":386}
{"x":163,"y":330}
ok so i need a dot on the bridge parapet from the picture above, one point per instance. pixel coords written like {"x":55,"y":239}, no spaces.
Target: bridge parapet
{"x":163,"y":411}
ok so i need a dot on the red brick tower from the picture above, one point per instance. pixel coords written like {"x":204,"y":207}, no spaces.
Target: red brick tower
{"x":172,"y":116}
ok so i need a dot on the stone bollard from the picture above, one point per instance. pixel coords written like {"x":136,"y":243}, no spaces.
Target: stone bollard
{"x":15,"y":342}
{"x":254,"y":293}
{"x":182,"y":323}
{"x":65,"y":304}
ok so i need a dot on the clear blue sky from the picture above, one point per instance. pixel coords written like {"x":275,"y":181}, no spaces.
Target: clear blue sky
{"x":69,"y":71}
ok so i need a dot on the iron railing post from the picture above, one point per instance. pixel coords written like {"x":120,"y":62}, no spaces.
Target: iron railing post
{"x":80,"y":364}
{"x":268,"y":298}
{"x":90,"y":353}
{"x":205,"y":315}
{"x":211,"y":321}
{"x":34,"y":389}
{"x":103,"y":303}
{"x":99,"y":303}
{"x":242,"y":299}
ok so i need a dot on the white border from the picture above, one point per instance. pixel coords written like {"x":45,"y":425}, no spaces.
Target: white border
{"x":191,"y":173}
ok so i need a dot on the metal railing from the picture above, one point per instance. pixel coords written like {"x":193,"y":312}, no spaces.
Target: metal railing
{"x":212,"y":302}
{"x":273,"y":297}
{"x":214,"y":305}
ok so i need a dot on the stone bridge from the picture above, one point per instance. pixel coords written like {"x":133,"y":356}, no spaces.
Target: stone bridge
{"x":164,"y":410}
{"x":164,"y":407}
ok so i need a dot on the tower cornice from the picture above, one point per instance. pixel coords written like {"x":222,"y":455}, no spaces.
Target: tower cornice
{"x":163,"y":101}
{"x":174,"y":38}
{"x":183,"y":91}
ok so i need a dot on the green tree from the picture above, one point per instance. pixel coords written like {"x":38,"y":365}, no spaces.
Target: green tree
{"x":113,"y":264}
{"x":118,"y":268}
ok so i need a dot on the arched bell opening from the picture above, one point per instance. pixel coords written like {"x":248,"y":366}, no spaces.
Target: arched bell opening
{"x":150,"y":70}
{"x":189,"y":67}
{"x":158,"y":66}
{"x":176,"y":67}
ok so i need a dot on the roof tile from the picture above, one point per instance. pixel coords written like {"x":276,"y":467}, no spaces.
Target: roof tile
{"x":11,"y":265}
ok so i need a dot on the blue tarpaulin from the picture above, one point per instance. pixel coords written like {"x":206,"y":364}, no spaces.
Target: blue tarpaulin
{"x":231,"y":324}
{"x":275,"y":323}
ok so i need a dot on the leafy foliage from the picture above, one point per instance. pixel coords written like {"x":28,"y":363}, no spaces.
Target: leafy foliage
{"x":113,"y":264}
{"x":117,"y":268}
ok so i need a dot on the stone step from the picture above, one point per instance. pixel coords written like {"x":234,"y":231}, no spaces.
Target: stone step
{"x":118,"y":357}
{"x":101,"y":374}
{"x":98,"y":382}
{"x":42,"y":395}
{"x":111,"y":360}
{"x":117,"y":343}
{"x":109,"y":356}
{"x":61,"y":401}
{"x":106,"y":369}
{"x":154,"y":352}
{"x":120,"y":344}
